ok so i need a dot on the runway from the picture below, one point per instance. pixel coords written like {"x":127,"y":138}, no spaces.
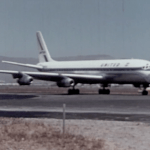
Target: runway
{"x":124,"y":106}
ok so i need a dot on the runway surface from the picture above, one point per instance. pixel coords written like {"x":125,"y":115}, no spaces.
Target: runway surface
{"x":119,"y":105}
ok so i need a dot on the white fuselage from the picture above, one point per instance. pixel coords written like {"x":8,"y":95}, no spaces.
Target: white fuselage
{"x":123,"y":71}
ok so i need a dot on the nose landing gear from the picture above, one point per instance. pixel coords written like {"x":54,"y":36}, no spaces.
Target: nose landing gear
{"x":144,"y":92}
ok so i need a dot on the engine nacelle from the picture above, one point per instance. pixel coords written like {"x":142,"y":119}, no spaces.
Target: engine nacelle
{"x":67,"y":82}
{"x":24,"y":79}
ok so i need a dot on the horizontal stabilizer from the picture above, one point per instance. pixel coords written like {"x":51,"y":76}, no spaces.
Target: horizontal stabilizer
{"x":24,"y":65}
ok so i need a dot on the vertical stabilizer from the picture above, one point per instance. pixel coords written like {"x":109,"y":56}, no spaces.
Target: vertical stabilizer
{"x":44,"y":55}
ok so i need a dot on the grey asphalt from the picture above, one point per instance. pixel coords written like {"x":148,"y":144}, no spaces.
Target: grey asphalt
{"x":124,"y":107}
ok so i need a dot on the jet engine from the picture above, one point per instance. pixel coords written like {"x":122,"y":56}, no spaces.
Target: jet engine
{"x":23,"y":79}
{"x":66,"y":82}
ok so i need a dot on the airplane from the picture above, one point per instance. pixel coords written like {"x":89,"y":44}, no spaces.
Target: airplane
{"x":70,"y":73}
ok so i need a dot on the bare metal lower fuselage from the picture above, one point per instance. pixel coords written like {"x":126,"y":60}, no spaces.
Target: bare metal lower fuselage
{"x":112,"y":77}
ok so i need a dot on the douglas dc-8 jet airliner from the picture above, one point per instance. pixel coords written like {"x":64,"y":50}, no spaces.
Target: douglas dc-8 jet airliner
{"x":70,"y":73}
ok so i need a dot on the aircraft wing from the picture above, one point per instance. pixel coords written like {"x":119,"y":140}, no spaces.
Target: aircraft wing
{"x":78,"y":78}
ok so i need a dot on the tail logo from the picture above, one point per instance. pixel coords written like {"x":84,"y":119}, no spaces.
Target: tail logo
{"x":42,"y":52}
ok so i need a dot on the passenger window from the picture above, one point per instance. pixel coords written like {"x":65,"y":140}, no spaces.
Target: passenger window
{"x":127,"y":64}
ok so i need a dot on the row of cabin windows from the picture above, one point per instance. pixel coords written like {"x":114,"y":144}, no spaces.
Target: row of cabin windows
{"x":146,"y":67}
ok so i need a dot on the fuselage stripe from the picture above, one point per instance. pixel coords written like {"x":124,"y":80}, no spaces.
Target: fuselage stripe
{"x":93,"y":69}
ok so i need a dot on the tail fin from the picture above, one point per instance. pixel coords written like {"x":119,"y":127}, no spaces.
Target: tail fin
{"x":44,"y":55}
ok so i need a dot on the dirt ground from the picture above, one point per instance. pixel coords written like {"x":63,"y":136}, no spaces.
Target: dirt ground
{"x":19,"y":134}
{"x":93,"y":89}
{"x":46,"y":134}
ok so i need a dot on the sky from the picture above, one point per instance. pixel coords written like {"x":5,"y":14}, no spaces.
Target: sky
{"x":120,"y":28}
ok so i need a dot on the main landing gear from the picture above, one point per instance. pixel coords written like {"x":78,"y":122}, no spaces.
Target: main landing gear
{"x":104,"y":91}
{"x":73,"y":91}
{"x":144,"y":92}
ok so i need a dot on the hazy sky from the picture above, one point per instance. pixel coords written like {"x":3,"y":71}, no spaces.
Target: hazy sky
{"x":120,"y":28}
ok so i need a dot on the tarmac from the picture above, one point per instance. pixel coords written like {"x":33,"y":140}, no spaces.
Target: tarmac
{"x":123,"y":104}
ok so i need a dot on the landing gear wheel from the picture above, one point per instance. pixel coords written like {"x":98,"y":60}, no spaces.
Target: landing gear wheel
{"x":144,"y":92}
{"x":104,"y":91}
{"x":77,"y":91}
{"x":107,"y":91}
{"x":100,"y":91}
{"x":73,"y":91}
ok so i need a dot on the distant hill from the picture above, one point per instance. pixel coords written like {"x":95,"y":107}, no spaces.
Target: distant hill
{"x":8,"y":78}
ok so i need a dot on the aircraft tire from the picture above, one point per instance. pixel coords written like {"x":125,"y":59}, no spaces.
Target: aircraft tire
{"x":101,"y":91}
{"x":145,"y":92}
{"x":73,"y":91}
{"x":69,"y":92}
{"x":108,"y":91}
